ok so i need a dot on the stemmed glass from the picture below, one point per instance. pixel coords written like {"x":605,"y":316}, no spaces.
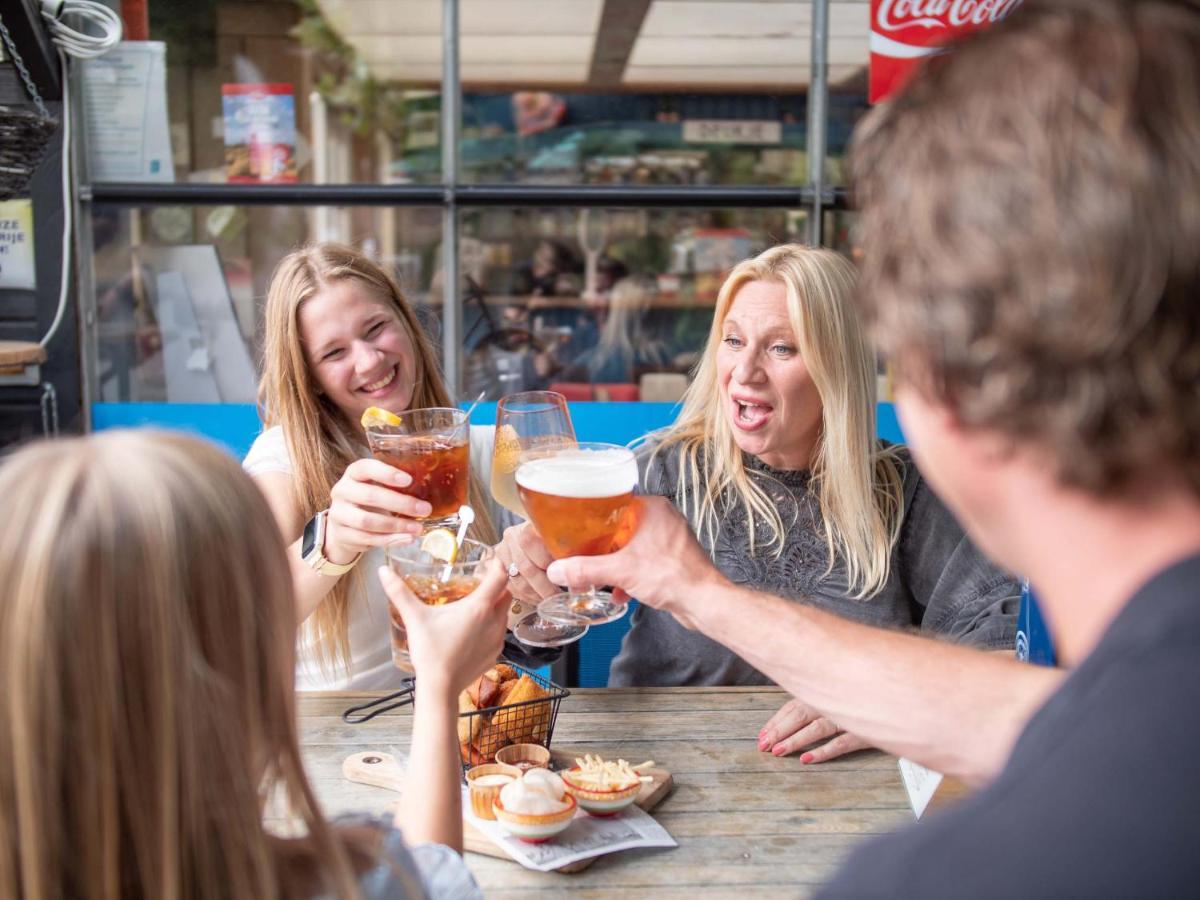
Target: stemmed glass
{"x":530,"y":422}
{"x":581,"y":500}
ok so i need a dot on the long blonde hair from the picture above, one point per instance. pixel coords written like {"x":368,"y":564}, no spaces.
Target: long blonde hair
{"x":320,"y":441}
{"x":857,"y":483}
{"x":147,"y":652}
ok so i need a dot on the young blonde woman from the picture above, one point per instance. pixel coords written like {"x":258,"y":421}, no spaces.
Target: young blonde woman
{"x":775,"y":462}
{"x":147,"y":641}
{"x":339,"y":338}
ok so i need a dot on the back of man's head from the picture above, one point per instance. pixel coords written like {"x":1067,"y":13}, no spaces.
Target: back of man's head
{"x":1031,"y":226}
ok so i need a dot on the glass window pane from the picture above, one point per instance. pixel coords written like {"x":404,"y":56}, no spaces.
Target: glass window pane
{"x":179,"y":290}
{"x":600,"y":304}
{"x":271,"y":91}
{"x":635,"y":91}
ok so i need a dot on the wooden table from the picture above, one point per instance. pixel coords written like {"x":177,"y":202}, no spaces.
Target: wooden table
{"x":746,"y":822}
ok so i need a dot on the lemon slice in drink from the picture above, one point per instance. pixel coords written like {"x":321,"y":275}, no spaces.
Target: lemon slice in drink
{"x":375,"y":417}
{"x":440,"y":544}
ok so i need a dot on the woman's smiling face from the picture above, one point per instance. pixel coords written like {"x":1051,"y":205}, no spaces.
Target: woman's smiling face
{"x":357,"y":349}
{"x":773,"y":406}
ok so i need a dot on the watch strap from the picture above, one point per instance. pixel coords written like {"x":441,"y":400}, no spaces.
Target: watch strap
{"x":316,"y":559}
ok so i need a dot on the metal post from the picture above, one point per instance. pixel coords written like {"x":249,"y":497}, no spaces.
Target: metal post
{"x":452,"y":314}
{"x":85,"y":280}
{"x":818,"y":97}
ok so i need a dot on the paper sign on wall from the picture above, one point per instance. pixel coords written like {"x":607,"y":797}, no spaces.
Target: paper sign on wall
{"x":125,"y":101}
{"x":16,"y":245}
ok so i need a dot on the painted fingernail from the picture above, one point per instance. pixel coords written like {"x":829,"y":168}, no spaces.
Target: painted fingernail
{"x":423,"y":508}
{"x":779,"y":751}
{"x":763,"y":743}
{"x":806,"y":758}
{"x":402,"y":478}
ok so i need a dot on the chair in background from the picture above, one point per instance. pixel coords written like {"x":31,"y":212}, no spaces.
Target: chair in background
{"x":585,"y":390}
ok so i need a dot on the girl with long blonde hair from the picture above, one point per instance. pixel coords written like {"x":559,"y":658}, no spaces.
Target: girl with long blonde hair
{"x":147,"y":639}
{"x":340,"y":337}
{"x":774,"y":460}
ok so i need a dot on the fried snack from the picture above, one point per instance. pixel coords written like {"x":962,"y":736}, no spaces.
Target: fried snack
{"x":506,"y":672}
{"x":490,"y":739}
{"x":468,"y":726}
{"x":470,"y":755}
{"x":484,"y":691}
{"x":521,"y":723}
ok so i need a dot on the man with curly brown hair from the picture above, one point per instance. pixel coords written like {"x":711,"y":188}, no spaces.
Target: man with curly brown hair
{"x":1031,"y":227}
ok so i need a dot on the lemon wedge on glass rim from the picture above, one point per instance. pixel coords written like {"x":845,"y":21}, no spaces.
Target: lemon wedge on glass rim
{"x":441,"y":544}
{"x":375,"y":417}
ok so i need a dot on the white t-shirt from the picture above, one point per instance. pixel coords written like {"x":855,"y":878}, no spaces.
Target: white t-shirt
{"x":371,"y":666}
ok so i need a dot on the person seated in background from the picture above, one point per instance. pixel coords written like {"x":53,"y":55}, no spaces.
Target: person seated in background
{"x":147,"y":640}
{"x":775,"y":462}
{"x":627,"y":347}
{"x":1029,"y":219}
{"x":340,"y":337}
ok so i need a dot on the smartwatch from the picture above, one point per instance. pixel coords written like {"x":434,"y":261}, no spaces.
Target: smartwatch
{"x":312,"y":548}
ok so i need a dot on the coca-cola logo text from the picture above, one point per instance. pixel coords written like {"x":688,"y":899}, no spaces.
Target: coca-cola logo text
{"x":893,"y":15}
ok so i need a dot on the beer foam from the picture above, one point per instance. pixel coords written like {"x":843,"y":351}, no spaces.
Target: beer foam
{"x":581,"y":474}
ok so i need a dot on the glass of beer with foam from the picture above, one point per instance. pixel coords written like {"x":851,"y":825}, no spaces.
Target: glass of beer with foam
{"x":581,"y":500}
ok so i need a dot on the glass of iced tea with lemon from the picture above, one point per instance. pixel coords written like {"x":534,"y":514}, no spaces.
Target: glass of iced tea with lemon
{"x":437,"y":572}
{"x":432,"y":445}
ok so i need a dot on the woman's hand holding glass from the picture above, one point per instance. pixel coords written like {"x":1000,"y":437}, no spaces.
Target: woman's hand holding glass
{"x":523,"y":548}
{"x":452,"y":645}
{"x":368,"y":508}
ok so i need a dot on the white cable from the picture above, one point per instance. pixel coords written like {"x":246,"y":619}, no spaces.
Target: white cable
{"x":81,"y":46}
{"x":75,"y":42}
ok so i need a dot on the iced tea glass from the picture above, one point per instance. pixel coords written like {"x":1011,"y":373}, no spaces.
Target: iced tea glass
{"x":432,"y":445}
{"x":581,"y":500}
{"x":433,"y":581}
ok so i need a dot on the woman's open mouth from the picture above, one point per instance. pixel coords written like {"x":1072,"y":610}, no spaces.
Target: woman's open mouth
{"x":384,"y":382}
{"x":750,"y":416}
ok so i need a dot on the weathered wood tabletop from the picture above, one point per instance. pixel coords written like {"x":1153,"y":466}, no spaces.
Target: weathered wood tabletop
{"x":747,"y":823}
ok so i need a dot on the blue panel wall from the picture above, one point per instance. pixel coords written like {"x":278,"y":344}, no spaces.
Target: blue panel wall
{"x":234,"y":426}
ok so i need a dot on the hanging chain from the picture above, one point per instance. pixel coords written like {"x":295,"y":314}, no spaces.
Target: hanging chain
{"x":11,"y":48}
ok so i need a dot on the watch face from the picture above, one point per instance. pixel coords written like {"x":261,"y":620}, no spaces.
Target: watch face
{"x":309,"y":542}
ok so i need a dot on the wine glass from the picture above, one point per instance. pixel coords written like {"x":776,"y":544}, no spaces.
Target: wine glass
{"x":581,"y":499}
{"x":530,"y":422}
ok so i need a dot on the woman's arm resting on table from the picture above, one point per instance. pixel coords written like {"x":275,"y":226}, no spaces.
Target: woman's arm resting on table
{"x":952,"y":708}
{"x":363,"y":513}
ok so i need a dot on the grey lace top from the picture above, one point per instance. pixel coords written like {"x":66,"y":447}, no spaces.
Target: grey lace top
{"x":939,"y":582}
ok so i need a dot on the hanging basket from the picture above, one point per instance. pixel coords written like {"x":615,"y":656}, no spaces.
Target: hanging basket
{"x":24,"y":137}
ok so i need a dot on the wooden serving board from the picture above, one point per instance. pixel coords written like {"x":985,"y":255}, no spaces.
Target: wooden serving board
{"x":381,"y":770}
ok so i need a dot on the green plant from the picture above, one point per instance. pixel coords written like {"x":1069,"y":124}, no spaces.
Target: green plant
{"x":361,"y":102}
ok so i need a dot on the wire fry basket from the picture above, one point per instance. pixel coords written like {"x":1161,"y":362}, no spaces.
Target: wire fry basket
{"x":526,"y":717}
{"x":24,"y":138}
{"x":484,"y":732}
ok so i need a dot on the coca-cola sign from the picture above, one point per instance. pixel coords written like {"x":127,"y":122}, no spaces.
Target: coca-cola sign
{"x":903,"y":32}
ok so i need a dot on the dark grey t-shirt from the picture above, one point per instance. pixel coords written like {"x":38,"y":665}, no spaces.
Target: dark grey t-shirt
{"x":1101,"y":797}
{"x":939,"y":582}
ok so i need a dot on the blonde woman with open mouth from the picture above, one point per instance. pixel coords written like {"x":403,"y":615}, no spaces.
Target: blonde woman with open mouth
{"x":775,"y":462}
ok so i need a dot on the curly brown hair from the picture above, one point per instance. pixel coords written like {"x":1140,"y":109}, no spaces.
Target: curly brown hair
{"x":1031,"y":225}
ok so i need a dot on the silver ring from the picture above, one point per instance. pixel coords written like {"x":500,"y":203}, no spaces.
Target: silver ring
{"x":513,"y":571}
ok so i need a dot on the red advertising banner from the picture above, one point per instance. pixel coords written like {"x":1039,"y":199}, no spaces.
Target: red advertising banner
{"x":903,"y":32}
